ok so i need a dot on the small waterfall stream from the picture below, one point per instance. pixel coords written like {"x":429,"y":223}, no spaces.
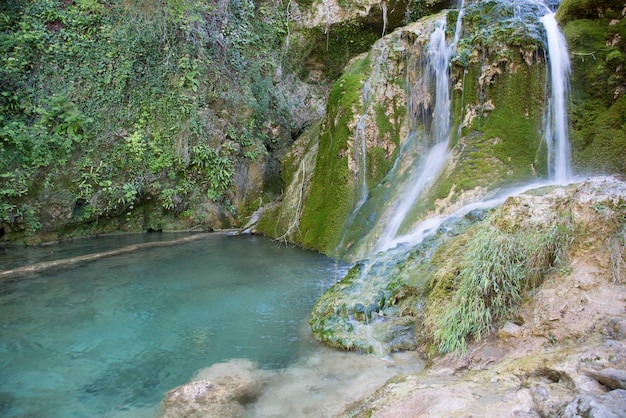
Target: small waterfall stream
{"x":433,"y":160}
{"x":360,"y":142}
{"x":559,"y":154}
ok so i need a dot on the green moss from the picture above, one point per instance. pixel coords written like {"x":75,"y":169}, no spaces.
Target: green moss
{"x":503,"y":144}
{"x":584,"y":34}
{"x":332,"y":188}
{"x":598,"y":132}
{"x":599,"y":140}
{"x":269,"y":224}
{"x":336,"y":46}
{"x":583,"y":9}
{"x":377,"y":164}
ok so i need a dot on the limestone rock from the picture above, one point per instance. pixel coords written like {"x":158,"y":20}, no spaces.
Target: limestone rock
{"x":609,"y":377}
{"x":609,"y":405}
{"x":509,"y":330}
{"x":201,"y":398}
{"x":232,"y":385}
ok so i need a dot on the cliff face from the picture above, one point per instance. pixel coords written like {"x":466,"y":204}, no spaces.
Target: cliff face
{"x":384,"y":112}
{"x":146,"y":115}
{"x":120,"y":116}
{"x":422,"y":137}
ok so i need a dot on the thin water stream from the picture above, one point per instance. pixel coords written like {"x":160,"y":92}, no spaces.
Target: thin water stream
{"x":110,"y":337}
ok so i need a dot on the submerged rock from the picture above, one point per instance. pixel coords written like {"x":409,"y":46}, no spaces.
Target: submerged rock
{"x":200,"y":399}
{"x":232,"y":385}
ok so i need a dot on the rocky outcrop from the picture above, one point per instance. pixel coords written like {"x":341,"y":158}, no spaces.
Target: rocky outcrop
{"x":398,"y":299}
{"x":547,"y":383}
{"x":564,"y":353}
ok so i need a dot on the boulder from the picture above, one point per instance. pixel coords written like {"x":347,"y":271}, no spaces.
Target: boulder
{"x":232,"y":385}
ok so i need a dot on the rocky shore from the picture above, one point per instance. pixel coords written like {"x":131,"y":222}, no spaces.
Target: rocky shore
{"x":563,"y":354}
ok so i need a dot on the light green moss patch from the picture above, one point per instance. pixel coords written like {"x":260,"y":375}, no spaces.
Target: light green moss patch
{"x":332,"y":189}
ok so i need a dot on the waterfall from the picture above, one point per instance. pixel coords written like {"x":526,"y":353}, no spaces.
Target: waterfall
{"x":386,"y":213}
{"x":459,"y":22}
{"x":360,"y":143}
{"x":383,"y":8}
{"x":433,"y":160}
{"x":396,"y":236}
{"x":559,"y":153}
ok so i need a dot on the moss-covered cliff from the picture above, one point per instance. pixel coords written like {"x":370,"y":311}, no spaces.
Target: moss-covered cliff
{"x":596,"y":35}
{"x":497,"y":78}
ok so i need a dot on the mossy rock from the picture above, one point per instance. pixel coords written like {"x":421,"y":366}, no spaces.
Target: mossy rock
{"x":588,"y":9}
{"x":332,"y":192}
{"x":379,"y":305}
{"x":597,"y":50}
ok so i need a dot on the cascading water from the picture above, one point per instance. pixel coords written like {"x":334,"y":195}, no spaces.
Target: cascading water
{"x":433,"y":160}
{"x":555,"y":118}
{"x":396,"y":238}
{"x":559,"y":153}
{"x":555,"y":121}
{"x":422,"y":155}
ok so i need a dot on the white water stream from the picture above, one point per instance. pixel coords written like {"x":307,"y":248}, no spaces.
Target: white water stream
{"x":432,"y":161}
{"x":555,"y":127}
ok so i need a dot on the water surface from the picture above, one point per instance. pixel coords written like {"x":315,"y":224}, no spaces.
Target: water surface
{"x":110,"y":337}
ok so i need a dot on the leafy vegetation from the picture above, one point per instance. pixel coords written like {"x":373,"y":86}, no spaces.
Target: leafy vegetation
{"x":144,"y":100}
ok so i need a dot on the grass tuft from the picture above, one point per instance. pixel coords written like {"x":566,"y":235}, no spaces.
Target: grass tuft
{"x":496,"y":270}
